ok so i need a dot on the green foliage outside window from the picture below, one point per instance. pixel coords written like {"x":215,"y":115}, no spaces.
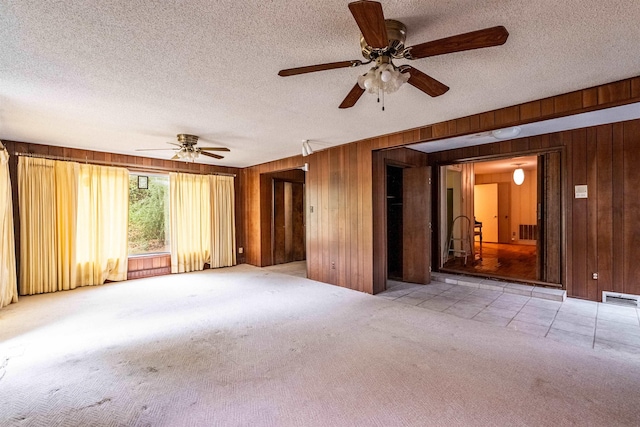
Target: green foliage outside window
{"x":149,"y":216}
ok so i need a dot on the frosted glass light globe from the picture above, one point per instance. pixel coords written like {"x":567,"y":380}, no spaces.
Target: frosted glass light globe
{"x":518,"y":176}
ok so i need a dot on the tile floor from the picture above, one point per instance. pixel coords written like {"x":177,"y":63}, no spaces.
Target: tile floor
{"x":573,"y":321}
{"x":529,"y":309}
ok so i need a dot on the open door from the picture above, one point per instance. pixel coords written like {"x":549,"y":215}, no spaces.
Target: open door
{"x":288,"y":242}
{"x":549,"y":211}
{"x":416,"y":225}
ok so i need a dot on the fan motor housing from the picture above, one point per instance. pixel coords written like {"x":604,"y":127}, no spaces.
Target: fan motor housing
{"x":396,"y":33}
{"x":186,"y":139}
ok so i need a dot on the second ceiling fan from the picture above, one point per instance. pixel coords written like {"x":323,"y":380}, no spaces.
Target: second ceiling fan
{"x":383,"y":40}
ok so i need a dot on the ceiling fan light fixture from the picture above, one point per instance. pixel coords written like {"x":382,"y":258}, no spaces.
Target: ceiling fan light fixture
{"x":382,"y":78}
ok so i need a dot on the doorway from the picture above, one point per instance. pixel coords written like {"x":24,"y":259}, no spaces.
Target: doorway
{"x":288,"y":244}
{"x":282,"y":217}
{"x":408,"y":223}
{"x":512,"y":225}
{"x":394,"y":222}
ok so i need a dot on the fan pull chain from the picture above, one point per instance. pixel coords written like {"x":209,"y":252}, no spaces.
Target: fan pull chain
{"x":382,"y":100}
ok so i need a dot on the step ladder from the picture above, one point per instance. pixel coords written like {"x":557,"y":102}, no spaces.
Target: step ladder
{"x":463,"y":223}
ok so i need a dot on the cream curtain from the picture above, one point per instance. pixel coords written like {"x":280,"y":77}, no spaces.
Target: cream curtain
{"x":190,"y":207}
{"x":67,"y":208}
{"x":223,"y":224}
{"x":103,"y":213}
{"x":73,"y":224}
{"x":8,"y":279}
{"x":46,"y":198}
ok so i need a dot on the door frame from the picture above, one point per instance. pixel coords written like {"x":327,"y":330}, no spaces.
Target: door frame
{"x":438,"y":217}
{"x":266,"y":209}
{"x":402,"y":157}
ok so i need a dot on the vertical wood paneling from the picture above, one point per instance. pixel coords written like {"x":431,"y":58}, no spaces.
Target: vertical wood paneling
{"x":353,"y":218}
{"x":324,"y":212}
{"x":580,"y":212}
{"x":352,"y":207}
{"x":365,"y":238}
{"x":299,"y":252}
{"x":334,"y":216}
{"x":614,"y":92}
{"x":568,"y":102}
{"x":313,"y":228}
{"x":604,"y":223}
{"x":592,"y":214}
{"x":631,"y":227}
{"x":278,"y":247}
{"x":618,"y":196}
{"x":343,"y":256}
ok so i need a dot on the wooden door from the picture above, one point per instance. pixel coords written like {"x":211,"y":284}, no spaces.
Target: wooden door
{"x":549,"y":214}
{"x":288,"y":222}
{"x":485,"y":209}
{"x":416,"y":225}
{"x":504,"y":212}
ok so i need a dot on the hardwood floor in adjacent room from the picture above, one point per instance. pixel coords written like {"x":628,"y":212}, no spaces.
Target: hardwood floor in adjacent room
{"x":499,"y":260}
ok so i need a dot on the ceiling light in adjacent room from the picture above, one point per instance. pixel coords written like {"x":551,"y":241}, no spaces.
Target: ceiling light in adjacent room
{"x":518,"y":174}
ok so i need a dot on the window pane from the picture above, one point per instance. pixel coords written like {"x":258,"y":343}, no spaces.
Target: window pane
{"x":149,"y":215}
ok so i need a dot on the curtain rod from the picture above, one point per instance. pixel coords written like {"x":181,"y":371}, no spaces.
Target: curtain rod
{"x":142,"y":168}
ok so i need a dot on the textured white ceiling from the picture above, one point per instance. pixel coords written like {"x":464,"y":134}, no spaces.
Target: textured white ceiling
{"x":120,"y":75}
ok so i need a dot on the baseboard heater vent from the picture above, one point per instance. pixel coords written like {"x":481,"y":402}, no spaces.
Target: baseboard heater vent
{"x":621,"y":299}
{"x":528,"y":232}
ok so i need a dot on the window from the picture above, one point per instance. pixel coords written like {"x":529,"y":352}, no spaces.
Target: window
{"x":148,"y":214}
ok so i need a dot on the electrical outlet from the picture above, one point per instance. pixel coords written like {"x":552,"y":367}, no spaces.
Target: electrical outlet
{"x":241,"y":250}
{"x":333,"y":265}
{"x":594,"y":276}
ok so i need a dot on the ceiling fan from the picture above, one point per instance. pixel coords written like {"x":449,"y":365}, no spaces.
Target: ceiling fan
{"x":382,"y":41}
{"x":187,"y":149}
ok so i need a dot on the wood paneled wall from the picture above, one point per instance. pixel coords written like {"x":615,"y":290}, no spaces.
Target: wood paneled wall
{"x":604,"y":229}
{"x":141,"y":266}
{"x":602,"y":232}
{"x":340,"y":183}
{"x":148,"y":266}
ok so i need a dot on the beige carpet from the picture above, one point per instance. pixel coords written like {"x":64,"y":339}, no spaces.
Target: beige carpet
{"x":245,"y":346}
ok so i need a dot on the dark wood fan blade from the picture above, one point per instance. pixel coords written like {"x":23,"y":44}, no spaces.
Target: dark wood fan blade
{"x":425,"y":83}
{"x":215,"y":156}
{"x":370,"y":20}
{"x":353,"y":96}
{"x":493,"y":36}
{"x":319,"y":67}
{"x":214,"y":149}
